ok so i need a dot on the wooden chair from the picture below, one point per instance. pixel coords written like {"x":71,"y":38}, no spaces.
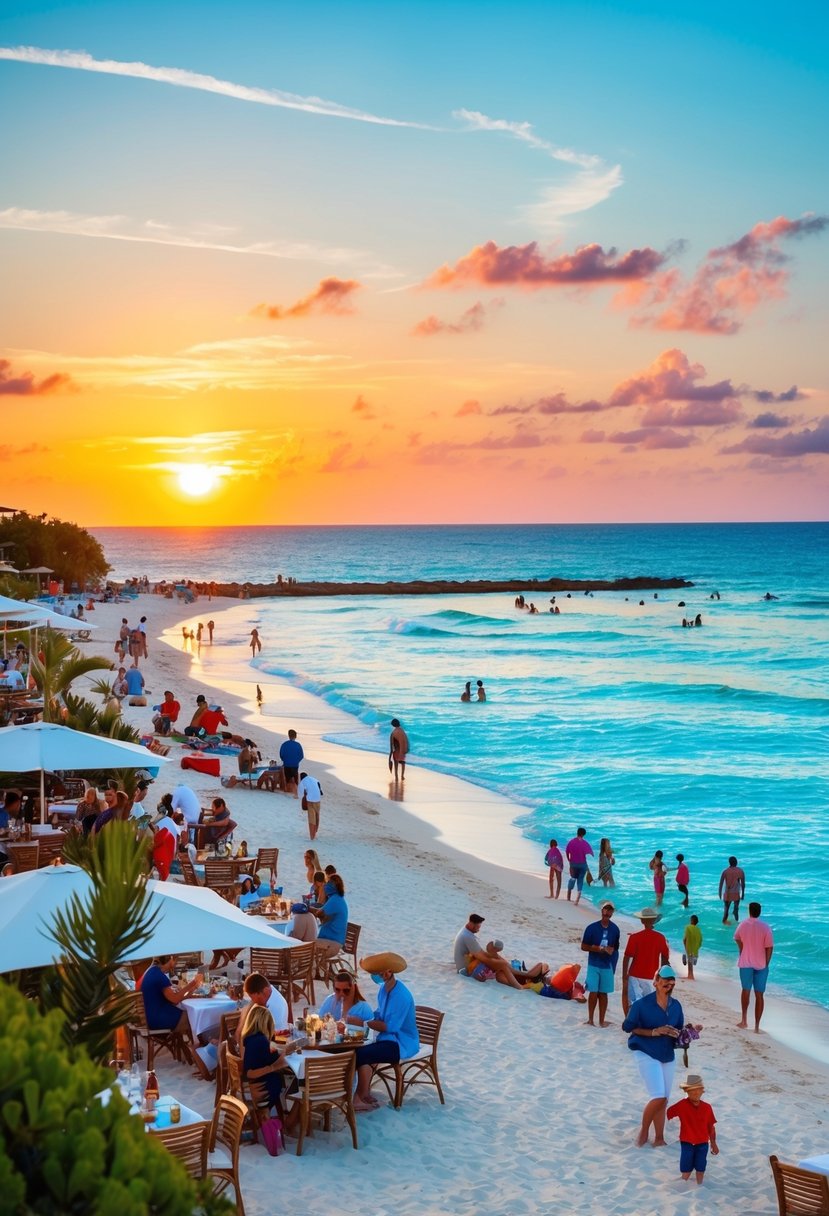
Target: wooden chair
{"x":421,"y":1068}
{"x":226,"y":1131}
{"x":24,"y":856}
{"x":800,"y":1192}
{"x":220,"y":876}
{"x":188,"y":1143}
{"x":266,"y":859}
{"x":252,"y":1096}
{"x":188,"y":872}
{"x":341,"y":962}
{"x":176,"y":1042}
{"x":328,"y":1086}
{"x":291,"y":971}
{"x":51,"y":847}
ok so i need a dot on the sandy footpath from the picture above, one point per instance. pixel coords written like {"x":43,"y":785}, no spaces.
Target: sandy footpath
{"x":541,"y":1111}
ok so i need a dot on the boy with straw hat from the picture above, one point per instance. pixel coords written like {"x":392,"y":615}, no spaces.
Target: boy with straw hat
{"x":696,"y":1128}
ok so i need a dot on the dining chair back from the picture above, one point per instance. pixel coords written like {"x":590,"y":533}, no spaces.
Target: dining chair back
{"x":799,"y":1192}
{"x":290,"y":971}
{"x":220,"y":876}
{"x":329,"y":1085}
{"x":25,"y":857}
{"x":223,"y":1147}
{"x":189,"y":1144}
{"x":191,"y":878}
{"x":267,"y":859}
{"x":422,"y":1067}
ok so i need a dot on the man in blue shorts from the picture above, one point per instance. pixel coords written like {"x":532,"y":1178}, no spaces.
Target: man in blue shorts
{"x":601,"y":943}
{"x":756,"y":945}
{"x":291,"y":755}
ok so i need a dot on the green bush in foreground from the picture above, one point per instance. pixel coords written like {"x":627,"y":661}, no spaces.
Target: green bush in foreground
{"x":62,"y":1151}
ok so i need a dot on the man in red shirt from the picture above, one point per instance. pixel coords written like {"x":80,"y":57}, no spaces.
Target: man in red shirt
{"x":645,"y":953}
{"x":167,"y":714}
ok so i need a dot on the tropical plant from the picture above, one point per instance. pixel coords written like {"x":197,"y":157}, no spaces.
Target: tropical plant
{"x":56,"y":667}
{"x":71,"y":552}
{"x":64,"y":1151}
{"x":96,"y":934}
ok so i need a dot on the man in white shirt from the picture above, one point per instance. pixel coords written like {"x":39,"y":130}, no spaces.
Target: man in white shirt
{"x":185,"y":800}
{"x":310,"y":791}
{"x":260,"y":991}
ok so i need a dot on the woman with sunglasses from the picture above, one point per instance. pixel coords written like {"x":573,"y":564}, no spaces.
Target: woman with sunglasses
{"x":346,"y":1003}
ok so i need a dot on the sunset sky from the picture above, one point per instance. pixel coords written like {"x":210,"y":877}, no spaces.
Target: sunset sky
{"x":328,"y":263}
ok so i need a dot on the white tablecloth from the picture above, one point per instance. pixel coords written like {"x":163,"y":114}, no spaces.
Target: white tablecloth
{"x":296,"y":1060}
{"x":205,"y":1013}
{"x":162,"y":1106}
{"x":819,"y":1165}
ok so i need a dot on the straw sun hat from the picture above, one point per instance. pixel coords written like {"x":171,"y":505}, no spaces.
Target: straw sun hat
{"x":648,"y":914}
{"x":376,"y":964}
{"x":692,"y":1081}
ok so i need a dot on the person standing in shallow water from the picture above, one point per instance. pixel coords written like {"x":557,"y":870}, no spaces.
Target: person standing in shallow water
{"x":255,"y":644}
{"x":481,"y":691}
{"x":732,"y":888}
{"x":466,"y":695}
{"x":398,"y":749}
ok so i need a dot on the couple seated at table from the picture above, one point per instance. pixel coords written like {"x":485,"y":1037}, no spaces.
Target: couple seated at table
{"x":216,"y":824}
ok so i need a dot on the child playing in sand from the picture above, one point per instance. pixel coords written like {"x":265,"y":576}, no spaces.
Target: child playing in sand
{"x":696,"y":1128}
{"x":555,"y":861}
{"x":691,"y":941}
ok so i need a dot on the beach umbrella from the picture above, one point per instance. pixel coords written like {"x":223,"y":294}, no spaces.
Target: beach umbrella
{"x":47,"y":746}
{"x":189,"y":919}
{"x":19,"y":610}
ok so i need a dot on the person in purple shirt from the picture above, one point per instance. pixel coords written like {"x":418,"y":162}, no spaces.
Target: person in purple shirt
{"x":555,"y":861}
{"x":577,"y":851}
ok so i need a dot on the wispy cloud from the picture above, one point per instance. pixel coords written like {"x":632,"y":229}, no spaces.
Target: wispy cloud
{"x":249,"y":364}
{"x":182,"y":78}
{"x":525,"y":266}
{"x":331,"y":295}
{"x":151,"y":232}
{"x":594,"y":182}
{"x":24,"y":384}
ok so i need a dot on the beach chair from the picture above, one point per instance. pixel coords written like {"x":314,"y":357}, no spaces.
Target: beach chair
{"x":329,"y":1085}
{"x":188,"y":1143}
{"x":290,"y":971}
{"x":267,"y":859}
{"x":421,"y":1068}
{"x":799,"y":1192}
{"x":223,"y":1147}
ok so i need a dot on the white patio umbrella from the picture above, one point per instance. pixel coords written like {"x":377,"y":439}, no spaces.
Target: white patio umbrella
{"x":190,"y":918}
{"x":47,"y":746}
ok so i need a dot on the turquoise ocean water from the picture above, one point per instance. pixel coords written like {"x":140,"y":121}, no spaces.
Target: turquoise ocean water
{"x":704,"y":741}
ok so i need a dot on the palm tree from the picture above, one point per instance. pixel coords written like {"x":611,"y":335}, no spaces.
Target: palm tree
{"x":61,"y":663}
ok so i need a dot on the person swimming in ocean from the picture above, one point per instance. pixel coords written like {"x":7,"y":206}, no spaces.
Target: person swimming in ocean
{"x":466,"y":695}
{"x":769,"y":596}
{"x":481,"y":691}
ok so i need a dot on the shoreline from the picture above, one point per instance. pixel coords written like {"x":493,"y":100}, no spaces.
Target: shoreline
{"x":467,"y":824}
{"x":291,"y":588}
{"x":529,"y":1066}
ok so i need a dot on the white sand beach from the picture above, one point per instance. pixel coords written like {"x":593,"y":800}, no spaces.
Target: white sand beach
{"x":541,"y":1111}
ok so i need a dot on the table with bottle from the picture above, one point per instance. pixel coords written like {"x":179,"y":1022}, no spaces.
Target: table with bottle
{"x":142,"y":1091}
{"x":208,"y":1005}
{"x":315,"y":1038}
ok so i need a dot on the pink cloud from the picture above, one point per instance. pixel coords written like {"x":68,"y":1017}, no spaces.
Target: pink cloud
{"x":731,"y":282}
{"x":331,"y":295}
{"x":527,"y":267}
{"x":470,"y":322}
{"x":693,"y":413}
{"x":671,"y":377}
{"x":341,"y":461}
{"x":652,"y":438}
{"x":468,"y":407}
{"x":25,"y":385}
{"x":363,"y":410}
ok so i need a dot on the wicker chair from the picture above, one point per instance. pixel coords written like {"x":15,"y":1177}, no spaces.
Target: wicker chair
{"x":226,"y":1132}
{"x":328,"y":1086}
{"x":800,"y":1192}
{"x":25,"y":857}
{"x":421,"y":1068}
{"x":189,"y":1144}
{"x":267,"y":859}
{"x":346,"y":960}
{"x":291,"y":971}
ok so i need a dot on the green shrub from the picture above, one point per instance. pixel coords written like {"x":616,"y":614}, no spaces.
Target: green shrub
{"x":62,"y":1151}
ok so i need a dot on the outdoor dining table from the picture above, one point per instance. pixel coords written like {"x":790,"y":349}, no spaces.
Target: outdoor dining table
{"x":818,"y":1165}
{"x":206,"y":1012}
{"x":162,"y":1120}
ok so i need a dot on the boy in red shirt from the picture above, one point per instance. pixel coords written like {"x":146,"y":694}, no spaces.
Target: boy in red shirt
{"x":696,"y":1128}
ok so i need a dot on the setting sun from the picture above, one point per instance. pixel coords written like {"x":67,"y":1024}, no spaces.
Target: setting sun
{"x":197,"y":479}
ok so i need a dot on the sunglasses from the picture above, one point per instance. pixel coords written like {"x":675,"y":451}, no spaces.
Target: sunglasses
{"x":347,"y":988}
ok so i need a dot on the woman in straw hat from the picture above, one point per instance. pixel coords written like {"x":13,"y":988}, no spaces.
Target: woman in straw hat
{"x":394,"y":1022}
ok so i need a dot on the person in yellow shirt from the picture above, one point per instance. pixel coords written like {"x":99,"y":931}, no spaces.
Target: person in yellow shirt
{"x":691,"y":943}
